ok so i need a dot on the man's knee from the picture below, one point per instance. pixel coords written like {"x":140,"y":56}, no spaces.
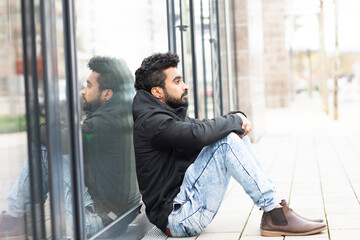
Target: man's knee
{"x":233,"y":138}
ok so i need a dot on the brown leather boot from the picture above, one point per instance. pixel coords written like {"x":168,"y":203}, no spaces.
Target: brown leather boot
{"x":284,"y":222}
{"x":283,"y":202}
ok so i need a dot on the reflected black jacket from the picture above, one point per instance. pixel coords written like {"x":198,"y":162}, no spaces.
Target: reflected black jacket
{"x":109,"y":157}
{"x":166,"y":143}
{"x":109,"y":163}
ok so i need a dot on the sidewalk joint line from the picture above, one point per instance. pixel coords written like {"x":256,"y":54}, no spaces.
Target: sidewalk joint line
{"x":294,"y":166}
{"x":321,"y":187}
{"x":343,"y":167}
{"x":247,"y":219}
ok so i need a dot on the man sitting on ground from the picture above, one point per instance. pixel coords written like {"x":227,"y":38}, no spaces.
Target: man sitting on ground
{"x":184,"y":164}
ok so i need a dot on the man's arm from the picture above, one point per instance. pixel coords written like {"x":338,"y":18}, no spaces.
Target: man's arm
{"x":64,"y":137}
{"x":246,"y":124}
{"x":167,"y":132}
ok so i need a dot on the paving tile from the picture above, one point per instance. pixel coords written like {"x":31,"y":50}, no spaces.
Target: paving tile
{"x":349,"y":221}
{"x":319,"y":236}
{"x":252,"y":227}
{"x":227,"y":222}
{"x":345,"y":234}
{"x":259,"y":238}
{"x":219,"y":236}
{"x":340,"y":208}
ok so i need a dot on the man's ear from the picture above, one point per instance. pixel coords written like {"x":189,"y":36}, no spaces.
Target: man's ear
{"x":157,"y":92}
{"x":107,"y":94}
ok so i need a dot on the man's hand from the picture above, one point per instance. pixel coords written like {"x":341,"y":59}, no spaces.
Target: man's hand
{"x":246,"y":125}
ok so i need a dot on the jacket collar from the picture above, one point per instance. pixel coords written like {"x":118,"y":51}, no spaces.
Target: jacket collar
{"x":112,"y":105}
{"x":145,"y":102}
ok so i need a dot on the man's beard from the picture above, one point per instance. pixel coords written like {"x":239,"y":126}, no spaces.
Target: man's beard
{"x":93,"y":105}
{"x":176,"y":102}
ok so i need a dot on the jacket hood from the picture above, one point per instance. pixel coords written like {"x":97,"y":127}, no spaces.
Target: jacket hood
{"x":144,"y":102}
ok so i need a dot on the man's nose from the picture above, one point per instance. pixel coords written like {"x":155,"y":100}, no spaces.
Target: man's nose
{"x":83,"y":92}
{"x":186,"y":87}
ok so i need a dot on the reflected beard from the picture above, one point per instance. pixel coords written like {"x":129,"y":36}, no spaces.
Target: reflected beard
{"x":93,"y":105}
{"x":176,"y":102}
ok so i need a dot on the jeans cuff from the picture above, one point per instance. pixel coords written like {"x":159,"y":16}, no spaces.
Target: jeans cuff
{"x":270,"y":207}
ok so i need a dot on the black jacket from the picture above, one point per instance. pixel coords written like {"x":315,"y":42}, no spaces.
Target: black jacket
{"x":109,"y":157}
{"x":109,"y":162}
{"x":166,"y":143}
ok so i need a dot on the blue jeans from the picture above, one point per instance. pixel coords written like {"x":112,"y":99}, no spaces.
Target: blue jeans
{"x":19,"y":197}
{"x":207,"y":179}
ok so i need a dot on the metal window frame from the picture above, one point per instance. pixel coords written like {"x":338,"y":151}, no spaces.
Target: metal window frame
{"x":170,"y":12}
{"x":182,"y":28}
{"x":237,"y":103}
{"x":32,"y":119}
{"x":203,"y":56}
{"x":228,"y":56}
{"x":218,"y":52}
{"x":53,"y":125}
{"x":194,"y":58}
{"x":75,"y":143}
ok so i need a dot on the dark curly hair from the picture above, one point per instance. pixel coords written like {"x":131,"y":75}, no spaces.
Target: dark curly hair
{"x":112,"y":72}
{"x":151,"y":72}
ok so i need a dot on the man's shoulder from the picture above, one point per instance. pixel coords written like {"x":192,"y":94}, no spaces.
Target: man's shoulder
{"x":155,"y":115}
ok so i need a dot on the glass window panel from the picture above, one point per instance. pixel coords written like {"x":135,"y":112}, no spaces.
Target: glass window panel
{"x":15,"y":191}
{"x":128,"y":32}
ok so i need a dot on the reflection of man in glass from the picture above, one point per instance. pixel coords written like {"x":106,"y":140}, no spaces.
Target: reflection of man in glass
{"x":108,"y":154}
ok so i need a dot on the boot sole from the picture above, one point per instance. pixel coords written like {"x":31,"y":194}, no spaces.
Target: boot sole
{"x":279,"y":233}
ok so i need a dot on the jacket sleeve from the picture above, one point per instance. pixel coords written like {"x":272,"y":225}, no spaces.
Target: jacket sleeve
{"x":167,"y":132}
{"x":64,"y":137}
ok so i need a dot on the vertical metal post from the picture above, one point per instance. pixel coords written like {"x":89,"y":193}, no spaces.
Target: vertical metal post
{"x":170,"y":10}
{"x":75,"y":143}
{"x":53,"y":126}
{"x":32,"y":119}
{"x":203,"y":56}
{"x":212,"y":56}
{"x":218,"y":54}
{"x":228,"y":56}
{"x":235,"y":55}
{"x":194,"y":59}
{"x":181,"y":28}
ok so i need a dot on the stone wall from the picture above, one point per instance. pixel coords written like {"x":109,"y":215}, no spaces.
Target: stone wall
{"x":249,"y":53}
{"x":276,"y":61}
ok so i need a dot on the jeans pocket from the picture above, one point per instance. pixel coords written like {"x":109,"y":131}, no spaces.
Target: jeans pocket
{"x":198,"y":221}
{"x":177,"y":206}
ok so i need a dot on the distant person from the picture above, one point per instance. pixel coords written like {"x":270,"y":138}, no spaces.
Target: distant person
{"x":184,"y":165}
{"x":109,"y":165}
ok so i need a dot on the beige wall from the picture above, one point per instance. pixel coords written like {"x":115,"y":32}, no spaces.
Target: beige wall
{"x":276,"y":61}
{"x":250,"y":63}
